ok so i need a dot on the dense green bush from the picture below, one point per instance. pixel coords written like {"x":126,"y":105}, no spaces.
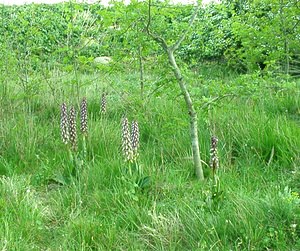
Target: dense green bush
{"x":249,"y":36}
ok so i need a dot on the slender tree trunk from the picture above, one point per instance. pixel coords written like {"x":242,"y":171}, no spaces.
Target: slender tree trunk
{"x":180,"y":79}
{"x":192,"y":114}
{"x":141,"y":64}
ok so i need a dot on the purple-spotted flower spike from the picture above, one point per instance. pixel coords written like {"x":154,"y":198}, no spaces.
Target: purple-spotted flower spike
{"x":135,"y":138}
{"x":103,"y":103}
{"x":83,"y":117}
{"x":126,"y":140}
{"x":72,"y":128}
{"x":214,"y":159}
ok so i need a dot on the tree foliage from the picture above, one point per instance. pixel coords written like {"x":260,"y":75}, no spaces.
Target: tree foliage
{"x":265,"y":33}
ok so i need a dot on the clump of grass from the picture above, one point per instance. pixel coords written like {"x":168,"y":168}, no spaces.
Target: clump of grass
{"x":64,"y":124}
{"x":23,"y":215}
{"x":103,"y":103}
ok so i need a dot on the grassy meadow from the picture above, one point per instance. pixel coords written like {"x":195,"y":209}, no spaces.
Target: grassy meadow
{"x":256,"y":205}
{"x":240,"y":61}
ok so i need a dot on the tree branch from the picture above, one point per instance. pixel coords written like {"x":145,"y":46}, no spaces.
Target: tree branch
{"x":156,"y":38}
{"x":161,"y":40}
{"x":182,"y":37}
{"x":207,"y":104}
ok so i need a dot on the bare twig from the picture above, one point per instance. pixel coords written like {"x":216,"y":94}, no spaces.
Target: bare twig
{"x":155,"y":37}
{"x":215,"y":99}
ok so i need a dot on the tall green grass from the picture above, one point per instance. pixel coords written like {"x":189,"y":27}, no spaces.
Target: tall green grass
{"x":44,"y":207}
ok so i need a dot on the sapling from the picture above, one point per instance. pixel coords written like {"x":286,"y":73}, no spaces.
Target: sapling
{"x":170,"y":50}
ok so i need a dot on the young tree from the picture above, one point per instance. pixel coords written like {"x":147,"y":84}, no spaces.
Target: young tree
{"x":170,"y":49}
